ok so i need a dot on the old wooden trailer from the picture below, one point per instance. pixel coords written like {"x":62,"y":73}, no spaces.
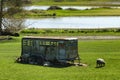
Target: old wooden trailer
{"x":38,"y":50}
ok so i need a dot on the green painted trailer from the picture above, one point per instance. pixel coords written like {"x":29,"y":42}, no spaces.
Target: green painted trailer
{"x":38,"y":50}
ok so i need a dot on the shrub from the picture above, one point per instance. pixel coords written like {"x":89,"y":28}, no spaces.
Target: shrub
{"x":54,"y":8}
{"x":117,"y":30}
{"x":12,"y":10}
{"x":16,"y":34}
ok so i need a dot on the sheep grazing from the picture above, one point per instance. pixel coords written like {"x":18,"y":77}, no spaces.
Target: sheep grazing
{"x":100,"y":63}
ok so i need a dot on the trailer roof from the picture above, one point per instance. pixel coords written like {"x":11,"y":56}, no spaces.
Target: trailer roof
{"x":55,"y":38}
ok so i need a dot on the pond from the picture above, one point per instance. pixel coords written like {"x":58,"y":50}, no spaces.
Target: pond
{"x":75,"y":22}
{"x":63,"y":7}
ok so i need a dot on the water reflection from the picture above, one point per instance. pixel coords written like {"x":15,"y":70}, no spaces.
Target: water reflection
{"x":75,"y":22}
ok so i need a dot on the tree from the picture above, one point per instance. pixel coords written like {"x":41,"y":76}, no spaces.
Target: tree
{"x":1,"y":15}
{"x":13,"y":7}
{"x":12,"y":25}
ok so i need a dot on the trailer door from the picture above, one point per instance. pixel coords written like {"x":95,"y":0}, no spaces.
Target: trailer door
{"x":62,"y":51}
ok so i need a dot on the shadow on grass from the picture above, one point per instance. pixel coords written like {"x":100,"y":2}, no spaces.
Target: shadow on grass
{"x":99,"y":66}
{"x":52,"y":65}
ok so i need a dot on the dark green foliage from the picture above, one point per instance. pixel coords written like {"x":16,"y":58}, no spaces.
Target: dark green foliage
{"x":13,"y":10}
{"x":37,"y":11}
{"x":14,"y":6}
{"x":14,"y":3}
{"x":30,"y":31}
{"x":27,"y":1}
{"x":67,"y":31}
{"x":54,"y":8}
{"x":10,"y":34}
{"x":16,"y":34}
{"x":117,"y":30}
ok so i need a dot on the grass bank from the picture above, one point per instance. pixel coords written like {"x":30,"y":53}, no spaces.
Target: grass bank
{"x":89,"y":51}
{"x":77,"y":2}
{"x":71,"y":32}
{"x":49,"y":13}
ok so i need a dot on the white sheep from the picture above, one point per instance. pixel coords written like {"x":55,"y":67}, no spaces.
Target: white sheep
{"x":100,"y":62}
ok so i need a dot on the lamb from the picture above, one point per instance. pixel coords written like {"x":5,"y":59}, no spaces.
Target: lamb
{"x":100,"y":63}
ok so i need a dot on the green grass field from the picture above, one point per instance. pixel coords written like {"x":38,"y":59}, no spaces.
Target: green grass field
{"x":89,"y":51}
{"x":60,"y":13}
{"x":76,"y":2}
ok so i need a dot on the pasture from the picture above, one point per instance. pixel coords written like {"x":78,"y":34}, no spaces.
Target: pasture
{"x":105,"y":11}
{"x":89,"y":51}
{"x":77,"y":2}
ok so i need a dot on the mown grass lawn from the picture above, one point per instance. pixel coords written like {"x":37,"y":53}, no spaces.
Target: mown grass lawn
{"x":76,"y":2}
{"x":89,"y":51}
